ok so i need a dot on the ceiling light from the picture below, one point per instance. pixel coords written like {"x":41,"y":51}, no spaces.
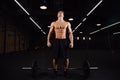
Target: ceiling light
{"x":116,"y":33}
{"x":84,"y":19}
{"x":83,"y":38}
{"x":37,"y":25}
{"x":88,"y":14}
{"x":22,"y":7}
{"x":89,"y":38}
{"x":98,"y":24}
{"x":43,"y":7}
{"x":78,"y":38}
{"x":81,"y":32}
{"x":70,"y":19}
{"x":105,"y":27}
{"x":95,"y":7}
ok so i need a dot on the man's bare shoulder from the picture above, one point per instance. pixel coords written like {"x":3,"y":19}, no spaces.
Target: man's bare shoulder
{"x":67,"y":22}
{"x":53,"y":22}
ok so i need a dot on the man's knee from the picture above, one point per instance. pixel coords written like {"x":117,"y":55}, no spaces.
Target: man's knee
{"x":55,"y":60}
{"x":66,"y":60}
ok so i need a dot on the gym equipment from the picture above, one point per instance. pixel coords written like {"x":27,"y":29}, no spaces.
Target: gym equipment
{"x":85,"y":67}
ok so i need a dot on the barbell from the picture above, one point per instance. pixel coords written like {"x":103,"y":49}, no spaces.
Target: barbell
{"x":85,"y":67}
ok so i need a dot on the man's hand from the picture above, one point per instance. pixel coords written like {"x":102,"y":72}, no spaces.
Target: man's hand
{"x":71,"y":45}
{"x":48,"y":44}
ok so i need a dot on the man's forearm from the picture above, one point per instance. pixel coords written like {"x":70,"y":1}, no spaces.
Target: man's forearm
{"x":71,"y":37}
{"x":48,"y":37}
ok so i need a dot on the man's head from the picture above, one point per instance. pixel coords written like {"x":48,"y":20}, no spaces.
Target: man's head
{"x":60,"y":14}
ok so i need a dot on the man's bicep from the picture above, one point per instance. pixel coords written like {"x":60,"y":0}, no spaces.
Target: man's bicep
{"x":69,"y":28}
{"x":51,"y":27}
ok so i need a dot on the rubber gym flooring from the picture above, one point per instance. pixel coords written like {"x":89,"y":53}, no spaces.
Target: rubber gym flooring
{"x":108,"y":64}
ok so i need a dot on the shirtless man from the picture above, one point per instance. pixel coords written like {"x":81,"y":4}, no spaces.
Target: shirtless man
{"x":60,"y":46}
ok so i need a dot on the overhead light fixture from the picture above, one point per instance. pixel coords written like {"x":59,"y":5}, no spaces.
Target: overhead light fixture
{"x":70,"y":19}
{"x":77,"y":27}
{"x":43,"y":7}
{"x":105,"y":27}
{"x":81,"y":32}
{"x":88,"y":14}
{"x":78,"y":38}
{"x":89,"y":38}
{"x":37,"y":25}
{"x":84,"y":19}
{"x":22,"y":7}
{"x":98,"y":24}
{"x":29,"y":17}
{"x":95,"y":7}
{"x":116,"y":33}
{"x":83,"y":38}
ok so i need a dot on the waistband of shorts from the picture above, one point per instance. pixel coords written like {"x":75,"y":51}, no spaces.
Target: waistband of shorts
{"x":60,"y":39}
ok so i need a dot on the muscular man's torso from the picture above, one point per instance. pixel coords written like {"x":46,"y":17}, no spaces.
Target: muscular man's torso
{"x":60,"y":29}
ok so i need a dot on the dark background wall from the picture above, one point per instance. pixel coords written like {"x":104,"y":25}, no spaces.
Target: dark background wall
{"x":12,"y":38}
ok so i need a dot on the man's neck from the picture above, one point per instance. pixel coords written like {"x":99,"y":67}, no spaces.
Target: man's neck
{"x":60,"y":19}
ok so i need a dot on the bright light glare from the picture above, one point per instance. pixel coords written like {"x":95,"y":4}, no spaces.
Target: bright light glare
{"x":70,"y":19}
{"x":89,"y":38}
{"x":83,"y":38}
{"x":98,"y":24}
{"x":78,"y":38}
{"x":43,"y":7}
{"x":81,"y":32}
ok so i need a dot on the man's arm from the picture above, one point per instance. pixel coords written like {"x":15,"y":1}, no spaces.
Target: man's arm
{"x":70,"y":35}
{"x":49,"y":35}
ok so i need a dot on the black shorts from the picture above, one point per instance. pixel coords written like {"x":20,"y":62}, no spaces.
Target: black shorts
{"x":60,"y":48}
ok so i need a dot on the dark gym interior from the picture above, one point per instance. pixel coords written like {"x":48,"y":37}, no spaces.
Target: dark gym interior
{"x":23,"y":38}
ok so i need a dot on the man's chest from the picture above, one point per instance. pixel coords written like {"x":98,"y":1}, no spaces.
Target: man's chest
{"x":60,"y":26}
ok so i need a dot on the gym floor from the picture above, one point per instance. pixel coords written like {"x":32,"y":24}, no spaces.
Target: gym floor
{"x":108,"y":65}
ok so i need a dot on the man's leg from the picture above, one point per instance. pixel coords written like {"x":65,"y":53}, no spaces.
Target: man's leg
{"x":55,"y":65}
{"x":66,"y":64}
{"x":66,"y":67}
